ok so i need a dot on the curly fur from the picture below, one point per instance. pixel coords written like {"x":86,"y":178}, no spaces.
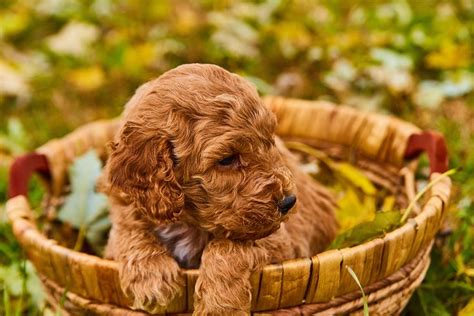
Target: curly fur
{"x":174,"y":204}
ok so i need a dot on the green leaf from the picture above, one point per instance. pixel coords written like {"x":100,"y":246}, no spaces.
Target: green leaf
{"x":12,"y":279}
{"x":97,"y":233}
{"x":84,"y":208}
{"x":382,"y":223}
{"x":16,"y":130}
{"x":34,"y":286}
{"x":15,"y":140}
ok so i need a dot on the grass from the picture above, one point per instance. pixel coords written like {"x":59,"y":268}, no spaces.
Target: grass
{"x":364,"y":298}
{"x":412,"y":59}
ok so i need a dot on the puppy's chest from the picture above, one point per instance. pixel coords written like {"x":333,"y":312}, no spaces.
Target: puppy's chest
{"x":185,"y":243}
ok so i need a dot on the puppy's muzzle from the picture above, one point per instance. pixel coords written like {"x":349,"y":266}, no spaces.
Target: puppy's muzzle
{"x":286,"y":204}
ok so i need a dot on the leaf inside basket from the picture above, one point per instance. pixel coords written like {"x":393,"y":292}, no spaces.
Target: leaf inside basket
{"x":358,"y":199}
{"x":382,"y":223}
{"x":84,"y":208}
{"x":365,"y":211}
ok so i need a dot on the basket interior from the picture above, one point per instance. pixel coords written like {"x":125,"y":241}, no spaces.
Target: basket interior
{"x":385,"y":177}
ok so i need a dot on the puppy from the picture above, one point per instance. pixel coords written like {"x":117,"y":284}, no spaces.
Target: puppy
{"x":196,"y":178}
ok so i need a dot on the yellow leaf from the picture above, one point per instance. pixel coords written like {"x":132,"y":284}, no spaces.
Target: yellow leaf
{"x":13,"y":23}
{"x":388,"y":203}
{"x":87,"y":79}
{"x":295,"y":33}
{"x":347,"y":40}
{"x":355,"y":177}
{"x":345,"y":170}
{"x":187,"y":21}
{"x":449,"y":56}
{"x":468,"y":310}
{"x":352,"y":211}
{"x":139,"y":56}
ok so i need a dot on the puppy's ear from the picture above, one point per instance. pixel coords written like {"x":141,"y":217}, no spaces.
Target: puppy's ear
{"x":141,"y":167}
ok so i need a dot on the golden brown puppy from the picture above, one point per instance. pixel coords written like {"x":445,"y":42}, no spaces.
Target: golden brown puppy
{"x":197,"y":178}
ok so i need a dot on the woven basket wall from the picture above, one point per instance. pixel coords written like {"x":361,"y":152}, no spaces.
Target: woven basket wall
{"x":390,"y":268}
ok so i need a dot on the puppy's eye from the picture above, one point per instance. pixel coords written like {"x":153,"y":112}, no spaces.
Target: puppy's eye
{"x":227,"y":161}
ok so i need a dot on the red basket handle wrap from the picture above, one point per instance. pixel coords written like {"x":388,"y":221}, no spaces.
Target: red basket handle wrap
{"x":21,"y":171}
{"x":434,"y":145}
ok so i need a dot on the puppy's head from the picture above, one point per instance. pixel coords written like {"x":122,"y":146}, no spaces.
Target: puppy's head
{"x":198,"y":146}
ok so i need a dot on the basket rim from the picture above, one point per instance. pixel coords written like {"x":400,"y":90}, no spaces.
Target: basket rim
{"x":414,"y":272}
{"x":16,"y":214}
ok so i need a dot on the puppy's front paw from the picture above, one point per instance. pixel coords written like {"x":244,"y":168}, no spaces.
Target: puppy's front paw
{"x":223,"y":286}
{"x":151,"y":281}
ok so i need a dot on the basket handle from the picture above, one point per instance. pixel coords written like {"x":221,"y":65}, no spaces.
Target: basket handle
{"x":434,"y":145}
{"x":21,"y":171}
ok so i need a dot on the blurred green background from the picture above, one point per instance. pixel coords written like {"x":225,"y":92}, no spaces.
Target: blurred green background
{"x":64,"y":63}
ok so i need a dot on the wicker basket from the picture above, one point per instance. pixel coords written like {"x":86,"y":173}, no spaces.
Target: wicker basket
{"x":390,"y":268}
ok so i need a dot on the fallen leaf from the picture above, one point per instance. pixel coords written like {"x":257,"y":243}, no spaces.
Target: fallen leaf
{"x":428,"y":94}
{"x":354,"y":176}
{"x":382,"y":223}
{"x":467,"y":310}
{"x":74,"y":39}
{"x":388,"y":203}
{"x":11,"y":279}
{"x":87,"y":79}
{"x":34,"y":286}
{"x":449,"y":56}
{"x":15,"y":141}
{"x":352,"y":211}
{"x":84,"y":208}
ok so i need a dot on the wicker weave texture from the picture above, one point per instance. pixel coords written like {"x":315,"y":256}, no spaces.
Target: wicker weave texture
{"x":315,"y":281}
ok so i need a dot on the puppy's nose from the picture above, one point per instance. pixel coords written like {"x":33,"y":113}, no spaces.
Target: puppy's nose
{"x":287,"y":203}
